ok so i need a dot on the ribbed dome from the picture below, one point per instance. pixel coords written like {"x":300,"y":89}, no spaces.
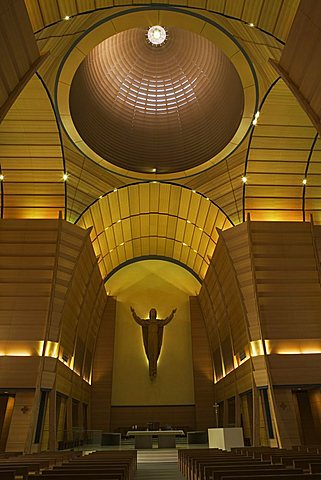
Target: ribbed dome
{"x":168,"y":108}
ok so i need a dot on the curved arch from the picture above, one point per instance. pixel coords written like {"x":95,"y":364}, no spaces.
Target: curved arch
{"x":152,"y":257}
{"x":148,"y":219}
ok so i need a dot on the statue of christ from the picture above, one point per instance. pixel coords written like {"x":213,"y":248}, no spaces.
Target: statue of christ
{"x":152,"y":328}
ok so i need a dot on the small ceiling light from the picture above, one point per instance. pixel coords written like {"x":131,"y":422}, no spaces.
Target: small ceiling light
{"x":67,"y":17}
{"x":251,"y":25}
{"x":115,"y":189}
{"x":195,"y":251}
{"x":207,"y":198}
{"x":244,"y":179}
{"x":122,"y":244}
{"x":118,"y":221}
{"x":184,"y":244}
{"x":1,"y":177}
{"x":188,"y":221}
{"x":194,"y":191}
{"x":156,"y":35}
{"x":65,"y":177}
{"x":256,"y":116}
{"x":304,"y":181}
{"x":100,"y":196}
{"x":154,"y":170}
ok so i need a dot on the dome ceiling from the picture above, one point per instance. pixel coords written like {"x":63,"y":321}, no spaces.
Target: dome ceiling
{"x":156,"y":109}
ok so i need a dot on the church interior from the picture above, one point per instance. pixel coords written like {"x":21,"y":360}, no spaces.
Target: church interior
{"x":160,"y":231}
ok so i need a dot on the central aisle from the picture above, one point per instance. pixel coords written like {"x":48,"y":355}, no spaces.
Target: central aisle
{"x":158,"y":464}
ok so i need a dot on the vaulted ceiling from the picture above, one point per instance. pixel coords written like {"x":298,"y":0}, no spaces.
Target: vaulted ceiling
{"x":134,"y":211}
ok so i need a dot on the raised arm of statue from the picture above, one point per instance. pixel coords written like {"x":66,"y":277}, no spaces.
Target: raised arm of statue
{"x":169,"y":318}
{"x":137,"y":319}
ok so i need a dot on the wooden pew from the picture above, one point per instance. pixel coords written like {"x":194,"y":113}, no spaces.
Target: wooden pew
{"x":243,"y":475}
{"x":209,"y":471}
{"x":315,"y":467}
{"x":304,"y":476}
{"x":7,"y":474}
{"x":77,"y":476}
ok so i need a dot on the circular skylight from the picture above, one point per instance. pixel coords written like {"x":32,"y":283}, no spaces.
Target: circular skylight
{"x":156,"y":35}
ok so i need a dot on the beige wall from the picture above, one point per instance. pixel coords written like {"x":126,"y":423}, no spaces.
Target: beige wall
{"x":145,"y":285}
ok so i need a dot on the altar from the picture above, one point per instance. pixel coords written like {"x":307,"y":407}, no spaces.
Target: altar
{"x":144,"y":438}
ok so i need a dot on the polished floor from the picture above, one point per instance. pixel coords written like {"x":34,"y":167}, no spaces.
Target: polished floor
{"x":158,"y":464}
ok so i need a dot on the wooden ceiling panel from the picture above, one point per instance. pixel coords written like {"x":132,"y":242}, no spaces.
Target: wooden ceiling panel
{"x":278,"y":186}
{"x":154,"y":232}
{"x":31,"y":162}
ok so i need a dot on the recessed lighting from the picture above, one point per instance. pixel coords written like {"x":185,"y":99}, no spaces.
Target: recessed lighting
{"x":100,"y":196}
{"x":106,"y":228}
{"x":194,"y":191}
{"x":207,"y":198}
{"x":65,"y":177}
{"x":154,"y":170}
{"x":115,"y":189}
{"x":244,"y":179}
{"x":111,"y":250}
{"x":257,"y":114}
{"x":67,"y":17}
{"x":121,"y":244}
{"x":188,"y":221}
{"x":254,"y":121}
{"x":1,"y":177}
{"x":118,"y":221}
{"x":304,"y":181}
{"x":184,"y":244}
{"x":251,"y":25}
{"x":200,"y":228}
{"x":195,"y":251}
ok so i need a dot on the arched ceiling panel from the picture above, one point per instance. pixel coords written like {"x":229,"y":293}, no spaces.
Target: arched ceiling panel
{"x":273,"y":16}
{"x":154,"y":219}
{"x":278,"y":157}
{"x":31,"y":157}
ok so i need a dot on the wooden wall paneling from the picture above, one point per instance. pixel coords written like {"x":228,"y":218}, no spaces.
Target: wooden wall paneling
{"x":21,"y":420}
{"x":287,"y":417}
{"x":202,"y":368}
{"x":122,"y":418}
{"x":103,"y":369}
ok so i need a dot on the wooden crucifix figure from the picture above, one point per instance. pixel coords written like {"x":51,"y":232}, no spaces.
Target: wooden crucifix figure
{"x":152,"y":328}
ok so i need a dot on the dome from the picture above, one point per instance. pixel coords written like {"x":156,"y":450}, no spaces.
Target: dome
{"x":156,"y":108}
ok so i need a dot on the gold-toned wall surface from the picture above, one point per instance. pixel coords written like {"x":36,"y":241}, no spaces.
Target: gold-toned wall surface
{"x":164,"y":286}
{"x":52,"y":299}
{"x":261,"y":301}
